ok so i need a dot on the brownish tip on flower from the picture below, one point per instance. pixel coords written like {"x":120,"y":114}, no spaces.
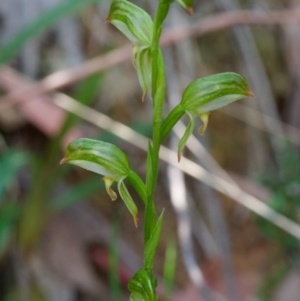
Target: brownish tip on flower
{"x":178,"y":157}
{"x":251,"y":94}
{"x":136,"y":220}
{"x":63,"y":160}
{"x":190,"y":11}
{"x":143,"y":97}
{"x":107,"y":20}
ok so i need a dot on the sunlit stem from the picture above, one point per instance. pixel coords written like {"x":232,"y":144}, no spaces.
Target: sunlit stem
{"x":158,"y":87}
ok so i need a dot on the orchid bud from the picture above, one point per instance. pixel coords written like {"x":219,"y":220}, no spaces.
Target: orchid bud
{"x":187,"y":5}
{"x":132,"y":21}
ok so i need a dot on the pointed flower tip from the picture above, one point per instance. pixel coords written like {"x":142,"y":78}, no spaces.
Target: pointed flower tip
{"x":136,"y":221}
{"x":190,"y":11}
{"x":178,"y":157}
{"x":107,"y":20}
{"x":143,"y":97}
{"x":251,"y":94}
{"x":63,"y":160}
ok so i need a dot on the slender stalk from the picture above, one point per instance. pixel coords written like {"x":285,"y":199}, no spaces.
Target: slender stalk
{"x":158,"y":90}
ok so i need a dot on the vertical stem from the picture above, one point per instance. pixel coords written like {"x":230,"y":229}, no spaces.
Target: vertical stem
{"x":158,"y":88}
{"x":158,"y":96}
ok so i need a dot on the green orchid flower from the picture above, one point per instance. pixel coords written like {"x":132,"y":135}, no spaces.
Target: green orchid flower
{"x":108,"y":160}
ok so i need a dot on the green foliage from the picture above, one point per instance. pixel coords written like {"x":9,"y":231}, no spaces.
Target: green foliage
{"x":132,"y":21}
{"x":199,"y":98}
{"x":8,"y":215}
{"x":285,"y":193}
{"x":152,"y":243}
{"x":142,"y":286}
{"x":137,"y":26}
{"x":44,"y":22}
{"x":213,"y":92}
{"x":77,"y":193}
{"x":10,"y":163}
{"x":271,"y":282}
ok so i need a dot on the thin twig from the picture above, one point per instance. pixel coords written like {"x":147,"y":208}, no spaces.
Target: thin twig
{"x":207,"y":25}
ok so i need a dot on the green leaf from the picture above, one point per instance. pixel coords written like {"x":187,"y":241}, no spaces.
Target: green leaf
{"x":152,"y":243}
{"x":150,"y":220}
{"x":44,"y":22}
{"x":132,"y":21}
{"x":213,"y":92}
{"x":128,"y":202}
{"x":187,"y":5}
{"x":143,"y":65}
{"x":136,"y":297}
{"x":186,"y":135}
{"x":10,"y":164}
{"x":100,"y":157}
{"x":142,"y":286}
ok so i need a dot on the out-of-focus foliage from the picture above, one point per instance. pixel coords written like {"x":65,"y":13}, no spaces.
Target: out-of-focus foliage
{"x":284,"y":184}
{"x":44,"y":22}
{"x":10,"y":164}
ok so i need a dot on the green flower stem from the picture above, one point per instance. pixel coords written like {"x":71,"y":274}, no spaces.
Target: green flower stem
{"x":158,"y":96}
{"x":158,"y":89}
{"x":170,"y":121}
